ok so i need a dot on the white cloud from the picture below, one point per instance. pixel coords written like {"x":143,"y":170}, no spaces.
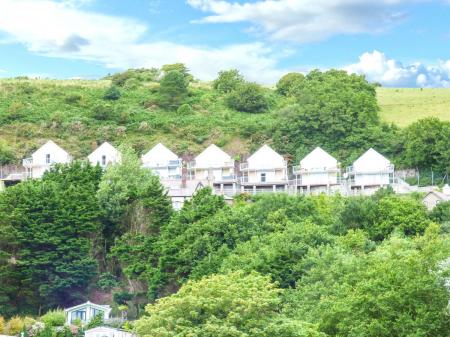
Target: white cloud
{"x":379,"y":68}
{"x":306,"y":20}
{"x":2,"y":71}
{"x":57,"y":29}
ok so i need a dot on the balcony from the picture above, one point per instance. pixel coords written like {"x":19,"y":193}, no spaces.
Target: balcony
{"x":389,"y":169}
{"x":297,"y":170}
{"x":193,"y":165}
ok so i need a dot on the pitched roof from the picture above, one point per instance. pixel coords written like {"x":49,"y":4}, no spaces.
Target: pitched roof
{"x":371,"y":160}
{"x":266,"y":157}
{"x":159,"y":150}
{"x":88,"y":303}
{"x":212,"y":156}
{"x":104,"y":147}
{"x":440,"y":195}
{"x":318,"y":158}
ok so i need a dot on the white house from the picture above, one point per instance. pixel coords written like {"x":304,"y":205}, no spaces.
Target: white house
{"x":215,"y":168}
{"x":264,"y":171}
{"x":163,"y":162}
{"x":44,"y":157}
{"x":370,"y":171}
{"x":103,"y":331}
{"x":433,"y":198}
{"x":317,"y":171}
{"x":86,"y":311}
{"x":105,"y":155}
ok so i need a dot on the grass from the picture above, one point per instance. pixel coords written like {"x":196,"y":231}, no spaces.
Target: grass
{"x":403,"y":106}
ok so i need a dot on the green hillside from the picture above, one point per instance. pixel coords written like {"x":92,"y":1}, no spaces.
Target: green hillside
{"x":76,"y":115}
{"x":404,"y":106}
{"x":333,"y":110}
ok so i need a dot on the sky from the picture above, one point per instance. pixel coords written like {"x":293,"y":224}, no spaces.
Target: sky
{"x":398,"y":43}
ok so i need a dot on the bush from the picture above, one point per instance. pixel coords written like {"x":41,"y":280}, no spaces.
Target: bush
{"x":289,"y":81}
{"x":102,"y":112}
{"x":15,"y":326}
{"x":228,"y":80}
{"x":73,"y":99}
{"x":184,"y":109}
{"x":112,"y":94}
{"x":54,"y":318}
{"x":107,"y":281}
{"x":122,"y":297}
{"x":7,"y":155}
{"x":248,"y":97}
{"x":173,"y":89}
{"x":95,"y":322}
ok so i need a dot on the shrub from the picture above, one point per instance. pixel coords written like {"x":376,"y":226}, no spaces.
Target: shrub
{"x":102,"y":112}
{"x":173,"y":89}
{"x":122,"y":297}
{"x":54,"y":318}
{"x":112,"y":94}
{"x":289,"y":81}
{"x":15,"y":326}
{"x":95,"y":322}
{"x":248,"y":97}
{"x":228,"y":80}
{"x":7,"y":155}
{"x":73,"y":99}
{"x":184,"y":109}
{"x":107,"y":281}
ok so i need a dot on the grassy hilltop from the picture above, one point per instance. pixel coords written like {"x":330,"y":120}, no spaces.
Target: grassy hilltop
{"x":403,"y":106}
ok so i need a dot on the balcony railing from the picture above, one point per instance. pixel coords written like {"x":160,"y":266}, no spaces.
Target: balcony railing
{"x":226,"y":164}
{"x":299,"y":170}
{"x":245,"y":167}
{"x":388,"y":169}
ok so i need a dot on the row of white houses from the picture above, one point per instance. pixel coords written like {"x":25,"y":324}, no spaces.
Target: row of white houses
{"x":264,"y":171}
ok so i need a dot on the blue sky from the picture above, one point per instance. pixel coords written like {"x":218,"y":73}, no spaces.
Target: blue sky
{"x":394,"y":42}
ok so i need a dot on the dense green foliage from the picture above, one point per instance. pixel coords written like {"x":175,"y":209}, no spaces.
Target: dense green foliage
{"x":332,"y":109}
{"x":228,"y":81}
{"x":268,"y":265}
{"x":48,"y":229}
{"x":233,"y":304}
{"x":247,"y":97}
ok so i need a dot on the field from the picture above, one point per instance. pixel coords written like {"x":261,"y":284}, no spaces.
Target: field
{"x":403,"y":106}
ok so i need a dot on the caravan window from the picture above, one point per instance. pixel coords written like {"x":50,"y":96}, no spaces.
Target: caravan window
{"x":47,"y":158}
{"x":103,"y":160}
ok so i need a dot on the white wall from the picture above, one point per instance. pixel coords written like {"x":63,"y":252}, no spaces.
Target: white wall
{"x":265,"y":159}
{"x":212,"y":157}
{"x":158,"y":158}
{"x":105,"y":155}
{"x":41,"y":162}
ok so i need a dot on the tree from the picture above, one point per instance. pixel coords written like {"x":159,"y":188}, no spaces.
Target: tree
{"x":396,"y":290}
{"x":180,"y":67}
{"x":233,"y":304}
{"x":247,"y":97}
{"x":54,"y":223}
{"x":278,"y":254}
{"x":136,"y":206}
{"x":427,"y":144}
{"x":173,"y":89}
{"x":334,"y":109}
{"x":228,"y":80}
{"x":288,"y":82}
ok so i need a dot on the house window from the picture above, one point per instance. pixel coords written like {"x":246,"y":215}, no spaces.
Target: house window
{"x":103,"y":160}
{"x":47,"y":158}
{"x":79,"y":314}
{"x":263,"y":177}
{"x":95,"y":312}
